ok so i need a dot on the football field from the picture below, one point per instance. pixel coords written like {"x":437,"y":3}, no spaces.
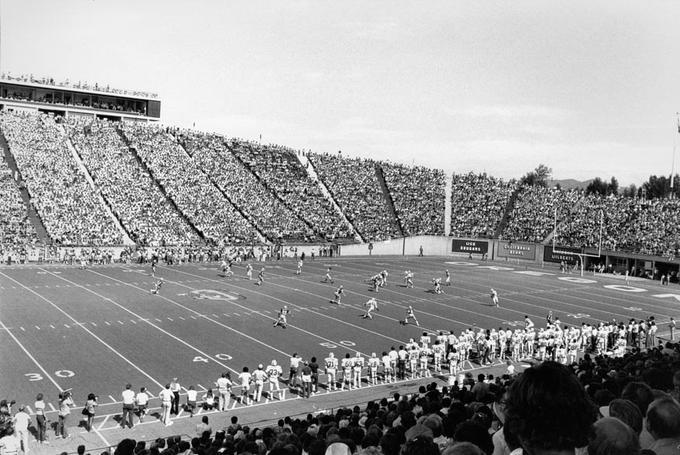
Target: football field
{"x":97,"y":329}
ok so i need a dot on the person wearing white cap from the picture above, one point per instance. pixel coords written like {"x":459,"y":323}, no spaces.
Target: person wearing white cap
{"x":259,"y":376}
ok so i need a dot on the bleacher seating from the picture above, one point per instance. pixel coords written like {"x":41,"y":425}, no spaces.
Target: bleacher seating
{"x":354,"y":185}
{"x":188,"y":186}
{"x":70,"y":209}
{"x":418,"y":194}
{"x":478,"y":202}
{"x":16,"y":230}
{"x":244,"y":189}
{"x":133,"y":196}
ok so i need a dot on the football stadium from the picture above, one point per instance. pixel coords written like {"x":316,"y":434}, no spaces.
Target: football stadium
{"x":171,"y":283}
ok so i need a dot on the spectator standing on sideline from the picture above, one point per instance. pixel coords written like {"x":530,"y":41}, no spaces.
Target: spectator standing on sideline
{"x":21,"y":422}
{"x":175,"y":388}
{"x":65,"y":404}
{"x":90,"y":406}
{"x":166,"y":403}
{"x":142,"y":402}
{"x":223,"y":388}
{"x":40,"y":419}
{"x":128,"y":406}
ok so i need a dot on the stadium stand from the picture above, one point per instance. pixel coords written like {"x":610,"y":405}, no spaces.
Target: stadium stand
{"x":16,"y":230}
{"x":478,"y":202}
{"x":355,"y":186}
{"x":280,"y":170}
{"x":69,"y":208}
{"x":194,"y":194}
{"x":133,"y":196}
{"x":532,"y":216}
{"x":213,"y":154}
{"x":418,"y":194}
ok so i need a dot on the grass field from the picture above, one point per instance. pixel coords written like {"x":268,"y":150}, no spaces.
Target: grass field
{"x":97,"y":329}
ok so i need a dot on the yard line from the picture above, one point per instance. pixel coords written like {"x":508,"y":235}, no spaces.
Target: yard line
{"x":52,"y":407}
{"x":133,"y":321}
{"x":120,"y":322}
{"x":52,"y":325}
{"x":67,"y":326}
{"x":107,"y":299}
{"x":113,"y":400}
{"x":106,"y":418}
{"x":36,"y":327}
{"x":95,"y":325}
{"x":182,"y":318}
{"x":82,"y":326}
{"x":202,"y":316}
{"x":171,"y":320}
{"x":31,"y":357}
{"x":22,"y":329}
{"x":107,"y":323}
{"x":285,"y":302}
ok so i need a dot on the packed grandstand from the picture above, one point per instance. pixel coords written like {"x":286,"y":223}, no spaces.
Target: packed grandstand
{"x":96,"y":183}
{"x":101,"y":183}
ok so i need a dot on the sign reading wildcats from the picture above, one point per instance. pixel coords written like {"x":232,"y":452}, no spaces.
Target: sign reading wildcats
{"x":469,"y":246}
{"x":516,"y":250}
{"x":211,"y":294}
{"x":550,"y":256}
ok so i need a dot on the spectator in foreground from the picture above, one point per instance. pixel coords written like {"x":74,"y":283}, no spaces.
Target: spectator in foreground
{"x":548,"y":411}
{"x":610,"y":436}
{"x":663,"y":423}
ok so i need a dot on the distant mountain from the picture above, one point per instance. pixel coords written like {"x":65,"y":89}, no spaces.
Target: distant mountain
{"x":569,"y":184}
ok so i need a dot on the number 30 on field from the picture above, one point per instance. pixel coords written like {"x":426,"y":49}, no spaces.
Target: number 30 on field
{"x":59,"y":373}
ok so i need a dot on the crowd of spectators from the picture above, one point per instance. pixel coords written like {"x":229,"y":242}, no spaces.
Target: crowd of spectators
{"x":68,"y":206}
{"x":244,"y":189}
{"x":354,"y":184}
{"x":16,"y":230}
{"x":533,"y":213}
{"x":195,"y":195}
{"x":646,"y":226}
{"x":281,"y":171}
{"x":598,"y":405}
{"x":418,"y":194}
{"x":133,"y":196}
{"x":478,"y":202}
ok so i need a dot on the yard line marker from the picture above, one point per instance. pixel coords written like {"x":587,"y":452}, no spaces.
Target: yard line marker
{"x":107,"y":323}
{"x":182,"y":318}
{"x":16,"y":340}
{"x":52,"y":325}
{"x":121,"y":323}
{"x":67,"y":326}
{"x":151,"y":324}
{"x":158,"y":320}
{"x":82,"y":326}
{"x":204,"y":317}
{"x":22,"y":329}
{"x":236,"y":314}
{"x":215,"y":315}
{"x":36,"y":327}
{"x":133,"y":321}
{"x":203,"y":389}
{"x":95,"y":325}
{"x":52,"y":406}
{"x":113,"y":400}
{"x":106,"y":417}
{"x":171,"y":320}
{"x":192,"y":317}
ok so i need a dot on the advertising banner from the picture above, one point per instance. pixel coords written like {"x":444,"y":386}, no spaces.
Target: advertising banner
{"x":550,"y":256}
{"x":516,"y":250}
{"x":469,"y":246}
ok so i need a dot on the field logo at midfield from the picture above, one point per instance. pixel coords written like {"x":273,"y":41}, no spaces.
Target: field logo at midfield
{"x":211,"y":294}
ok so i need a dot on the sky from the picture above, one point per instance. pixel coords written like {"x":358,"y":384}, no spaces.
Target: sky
{"x":589,"y":88}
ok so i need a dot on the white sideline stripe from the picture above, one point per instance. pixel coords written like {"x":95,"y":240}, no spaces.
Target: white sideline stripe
{"x":201,"y":316}
{"x":76,"y":322}
{"x":30,"y":356}
{"x":107,"y":299}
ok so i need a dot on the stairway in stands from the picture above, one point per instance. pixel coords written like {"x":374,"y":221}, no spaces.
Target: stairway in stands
{"x":506,"y":213}
{"x":388,"y":199}
{"x":31,"y":211}
{"x":158,"y":184}
{"x":308,"y":165}
{"x":572,"y":209}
